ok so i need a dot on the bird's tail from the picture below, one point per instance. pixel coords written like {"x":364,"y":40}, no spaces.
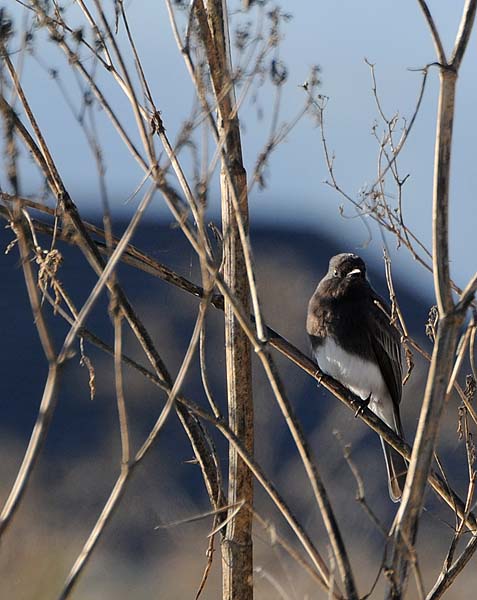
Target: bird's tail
{"x":397,"y":470}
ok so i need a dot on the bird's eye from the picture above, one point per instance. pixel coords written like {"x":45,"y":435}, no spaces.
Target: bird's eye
{"x":335,"y":273}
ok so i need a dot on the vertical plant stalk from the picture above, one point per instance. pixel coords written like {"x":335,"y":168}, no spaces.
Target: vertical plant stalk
{"x":451,"y":317}
{"x":237,"y":544}
{"x":237,"y":550}
{"x":442,"y":357}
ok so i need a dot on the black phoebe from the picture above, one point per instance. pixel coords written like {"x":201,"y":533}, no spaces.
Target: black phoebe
{"x":354,"y":342}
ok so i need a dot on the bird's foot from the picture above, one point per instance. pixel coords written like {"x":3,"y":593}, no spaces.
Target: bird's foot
{"x":318,"y":377}
{"x":361,"y":404}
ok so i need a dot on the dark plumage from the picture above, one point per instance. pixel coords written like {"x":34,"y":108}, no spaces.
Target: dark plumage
{"x":353,"y":342}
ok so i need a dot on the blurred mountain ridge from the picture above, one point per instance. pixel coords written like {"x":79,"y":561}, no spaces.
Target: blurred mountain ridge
{"x":81,"y":458}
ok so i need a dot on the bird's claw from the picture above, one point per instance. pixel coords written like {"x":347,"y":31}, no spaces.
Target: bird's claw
{"x":362,"y":404}
{"x":318,"y":376}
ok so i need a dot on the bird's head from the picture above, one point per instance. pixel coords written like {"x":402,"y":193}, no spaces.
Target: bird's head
{"x":347,"y":266}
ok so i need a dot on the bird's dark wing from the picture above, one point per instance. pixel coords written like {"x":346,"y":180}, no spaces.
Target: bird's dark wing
{"x":319,"y":313}
{"x":386,"y":344}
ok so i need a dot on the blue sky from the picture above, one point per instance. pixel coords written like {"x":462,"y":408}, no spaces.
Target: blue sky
{"x":338,"y":35}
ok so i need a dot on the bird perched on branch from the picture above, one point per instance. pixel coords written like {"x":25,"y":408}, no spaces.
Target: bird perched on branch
{"x":354,"y":342}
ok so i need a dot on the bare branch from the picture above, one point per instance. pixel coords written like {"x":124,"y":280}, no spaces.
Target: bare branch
{"x":441,"y":56}
{"x":467,"y":296}
{"x":122,"y":411}
{"x":106,"y":273}
{"x":463,"y":35}
{"x":18,"y":226}
{"x":37,"y":439}
{"x":449,"y":323}
{"x":177,"y":384}
{"x":445,"y":580}
{"x":106,"y":515}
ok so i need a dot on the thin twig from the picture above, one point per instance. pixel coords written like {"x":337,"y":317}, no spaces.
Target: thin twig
{"x":122,"y":411}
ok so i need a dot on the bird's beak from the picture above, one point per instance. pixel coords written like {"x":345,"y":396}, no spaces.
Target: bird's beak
{"x":354,"y":272}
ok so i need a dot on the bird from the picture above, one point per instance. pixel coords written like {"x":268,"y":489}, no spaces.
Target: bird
{"x":353,"y":341}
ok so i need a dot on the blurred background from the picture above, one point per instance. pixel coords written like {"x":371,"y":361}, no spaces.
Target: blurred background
{"x":298,"y":222}
{"x":338,"y":36}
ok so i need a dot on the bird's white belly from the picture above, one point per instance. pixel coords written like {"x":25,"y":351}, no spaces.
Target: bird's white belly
{"x":360,"y":376}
